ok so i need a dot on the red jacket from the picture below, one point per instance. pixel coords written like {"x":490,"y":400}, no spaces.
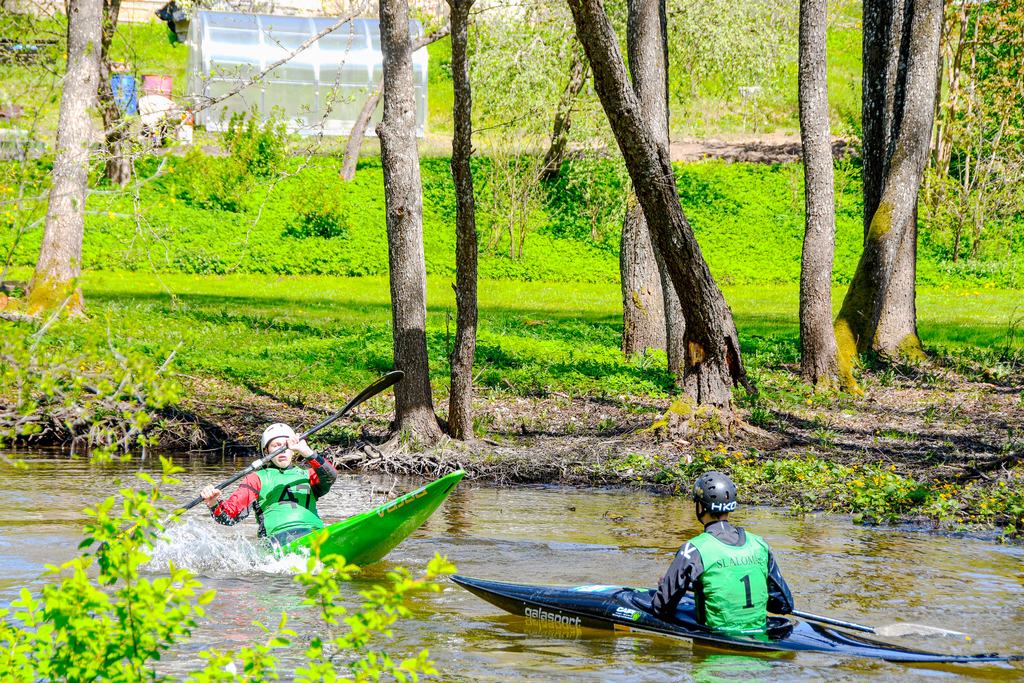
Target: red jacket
{"x":322,"y":476}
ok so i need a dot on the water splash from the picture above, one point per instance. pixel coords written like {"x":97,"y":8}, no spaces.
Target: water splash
{"x":218,"y":553}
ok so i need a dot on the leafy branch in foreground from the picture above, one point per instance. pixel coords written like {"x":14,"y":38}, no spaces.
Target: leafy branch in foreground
{"x":97,"y":397}
{"x":383,"y":606}
{"x":97,"y":617}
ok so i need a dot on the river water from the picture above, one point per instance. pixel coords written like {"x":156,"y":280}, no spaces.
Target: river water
{"x":549,"y":535}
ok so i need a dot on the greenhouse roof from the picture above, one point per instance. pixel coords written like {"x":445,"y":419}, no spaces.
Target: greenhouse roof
{"x":320,"y":89}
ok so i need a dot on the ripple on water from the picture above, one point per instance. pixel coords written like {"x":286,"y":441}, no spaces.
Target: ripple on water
{"x":191,"y":545}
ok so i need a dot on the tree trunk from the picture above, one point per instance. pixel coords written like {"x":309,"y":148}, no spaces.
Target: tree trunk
{"x":118,"y":159}
{"x":713,"y":363}
{"x":675,"y":322}
{"x":60,"y":255}
{"x":647,"y":51}
{"x":643,"y":308}
{"x":896,"y":332}
{"x":355,"y":137}
{"x":403,"y":197}
{"x":578,"y":71}
{"x":878,"y":312}
{"x":643,"y":300}
{"x":358,"y":132}
{"x":460,"y":406}
{"x":883,"y":81}
{"x":818,"y":363}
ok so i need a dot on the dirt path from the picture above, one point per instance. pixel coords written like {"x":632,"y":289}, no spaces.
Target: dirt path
{"x":762,"y":148}
{"x":767,"y":148}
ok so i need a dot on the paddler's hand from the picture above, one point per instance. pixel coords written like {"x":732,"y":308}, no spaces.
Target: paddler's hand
{"x":300,"y":447}
{"x":210,"y":495}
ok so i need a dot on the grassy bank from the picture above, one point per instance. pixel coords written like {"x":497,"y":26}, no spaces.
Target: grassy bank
{"x":316,"y":338}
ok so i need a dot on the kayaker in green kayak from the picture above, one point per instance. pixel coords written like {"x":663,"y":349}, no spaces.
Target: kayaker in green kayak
{"x":283,"y":495}
{"x":732,"y":573}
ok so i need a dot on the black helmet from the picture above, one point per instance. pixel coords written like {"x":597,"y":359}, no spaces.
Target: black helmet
{"x":715,"y":492}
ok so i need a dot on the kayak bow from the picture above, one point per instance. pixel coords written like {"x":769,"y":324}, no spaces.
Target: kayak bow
{"x":367,"y":537}
{"x":628,"y":609}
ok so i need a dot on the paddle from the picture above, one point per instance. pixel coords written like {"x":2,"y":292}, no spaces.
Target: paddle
{"x":890,"y":630}
{"x":380,"y":385}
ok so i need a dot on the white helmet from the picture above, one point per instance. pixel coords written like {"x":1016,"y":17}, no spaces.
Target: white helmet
{"x":274,"y":431}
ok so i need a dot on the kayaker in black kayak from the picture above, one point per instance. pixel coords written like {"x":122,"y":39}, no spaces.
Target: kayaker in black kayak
{"x":283,"y":494}
{"x":732,"y":573}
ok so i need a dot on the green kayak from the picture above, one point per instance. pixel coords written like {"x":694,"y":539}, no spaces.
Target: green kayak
{"x":367,"y":537}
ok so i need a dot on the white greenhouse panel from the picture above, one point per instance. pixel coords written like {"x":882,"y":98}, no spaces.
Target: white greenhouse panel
{"x":322,"y":88}
{"x":217,"y":117}
{"x":294,"y":102}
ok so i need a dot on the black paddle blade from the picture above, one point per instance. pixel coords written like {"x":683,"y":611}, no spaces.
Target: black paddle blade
{"x":388,"y":380}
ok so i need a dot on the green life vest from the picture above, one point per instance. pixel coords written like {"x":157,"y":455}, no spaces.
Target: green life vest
{"x":734,"y":583}
{"x":287,"y":501}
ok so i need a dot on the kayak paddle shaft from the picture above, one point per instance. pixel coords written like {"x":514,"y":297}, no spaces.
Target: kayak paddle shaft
{"x":833,"y":622}
{"x":380,"y":385}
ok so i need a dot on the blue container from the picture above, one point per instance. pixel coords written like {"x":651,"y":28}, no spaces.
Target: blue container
{"x":123,"y":87}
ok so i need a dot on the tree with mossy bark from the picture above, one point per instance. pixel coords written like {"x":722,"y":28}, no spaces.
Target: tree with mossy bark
{"x":55,"y":280}
{"x":712,"y":352}
{"x":403,"y":198}
{"x":901,"y":57}
{"x":651,"y":313}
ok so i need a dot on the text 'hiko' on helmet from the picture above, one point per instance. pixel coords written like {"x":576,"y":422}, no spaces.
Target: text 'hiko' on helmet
{"x":715,"y":492}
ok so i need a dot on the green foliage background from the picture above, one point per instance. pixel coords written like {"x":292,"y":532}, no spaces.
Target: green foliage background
{"x":200,"y":215}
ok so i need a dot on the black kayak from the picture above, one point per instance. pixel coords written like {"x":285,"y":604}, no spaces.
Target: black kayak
{"x":628,"y":609}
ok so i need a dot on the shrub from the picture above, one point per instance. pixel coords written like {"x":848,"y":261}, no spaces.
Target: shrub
{"x":317,"y":208}
{"x":210,"y":183}
{"x":749,"y":225}
{"x":259,"y":149}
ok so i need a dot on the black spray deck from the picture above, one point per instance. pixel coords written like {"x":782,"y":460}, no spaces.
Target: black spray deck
{"x":627,"y":609}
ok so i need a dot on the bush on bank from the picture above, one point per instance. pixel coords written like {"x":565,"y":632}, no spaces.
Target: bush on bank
{"x":873,"y":492}
{"x":89,"y":395}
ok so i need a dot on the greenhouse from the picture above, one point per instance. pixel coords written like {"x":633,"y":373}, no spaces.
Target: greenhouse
{"x":319,"y":90}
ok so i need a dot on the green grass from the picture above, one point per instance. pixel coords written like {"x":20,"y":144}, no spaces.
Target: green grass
{"x":317,"y":338}
{"x":747,"y":217}
{"x":440,"y":92}
{"x":844,"y":78}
